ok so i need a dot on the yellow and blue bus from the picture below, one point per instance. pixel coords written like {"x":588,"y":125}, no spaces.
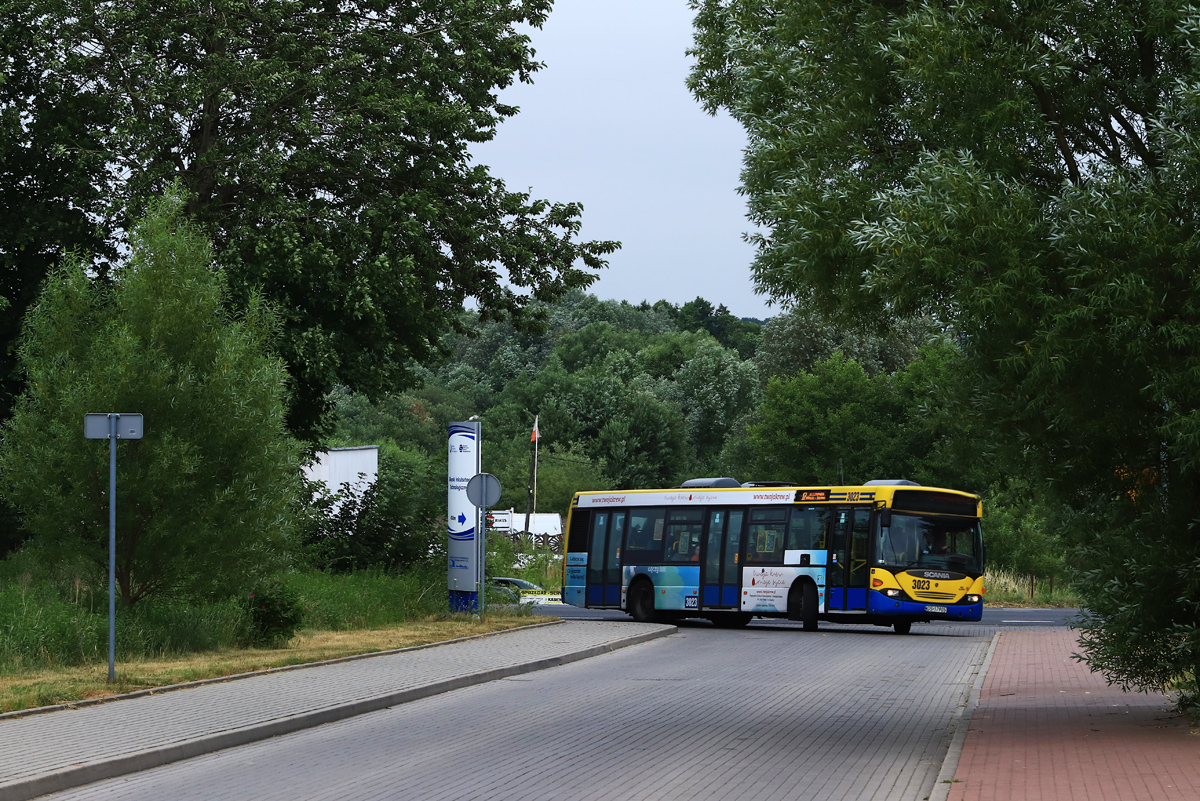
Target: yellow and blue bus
{"x":889,"y":553}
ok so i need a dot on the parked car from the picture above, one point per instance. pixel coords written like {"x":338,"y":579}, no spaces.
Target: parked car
{"x":515,"y":590}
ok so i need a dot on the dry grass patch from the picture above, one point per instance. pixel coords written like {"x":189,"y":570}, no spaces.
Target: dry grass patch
{"x":30,"y":689}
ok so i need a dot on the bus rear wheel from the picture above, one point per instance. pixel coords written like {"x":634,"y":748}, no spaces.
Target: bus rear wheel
{"x":639,"y":602}
{"x":803,"y":604}
{"x":902,"y":626}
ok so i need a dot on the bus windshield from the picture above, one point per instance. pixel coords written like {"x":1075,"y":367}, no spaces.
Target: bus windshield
{"x":937,"y":541}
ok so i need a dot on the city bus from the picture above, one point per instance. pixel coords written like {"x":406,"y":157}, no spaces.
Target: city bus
{"x":888,"y":553}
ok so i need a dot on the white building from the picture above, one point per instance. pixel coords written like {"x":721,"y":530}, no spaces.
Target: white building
{"x":358,"y":467}
{"x":508,"y":521}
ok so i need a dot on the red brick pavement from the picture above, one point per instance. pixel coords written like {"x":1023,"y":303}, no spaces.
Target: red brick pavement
{"x":1048,"y":728}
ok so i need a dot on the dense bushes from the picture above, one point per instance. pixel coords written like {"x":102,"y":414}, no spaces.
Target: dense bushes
{"x":275,"y":613}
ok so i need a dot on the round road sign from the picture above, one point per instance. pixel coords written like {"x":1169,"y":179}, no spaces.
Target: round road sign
{"x":483,"y":490}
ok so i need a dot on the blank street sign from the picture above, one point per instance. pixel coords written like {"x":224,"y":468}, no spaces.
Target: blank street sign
{"x":129,"y":426}
{"x":483,"y":490}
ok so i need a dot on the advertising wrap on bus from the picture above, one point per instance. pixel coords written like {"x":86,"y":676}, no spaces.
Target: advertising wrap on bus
{"x":887,"y":554}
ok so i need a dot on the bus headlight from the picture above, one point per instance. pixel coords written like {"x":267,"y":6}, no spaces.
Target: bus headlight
{"x":892,"y":593}
{"x":974,"y":599}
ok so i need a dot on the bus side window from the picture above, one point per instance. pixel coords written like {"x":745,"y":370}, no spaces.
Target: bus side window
{"x":806,"y":530}
{"x":683,"y":535}
{"x":644,"y":542}
{"x":765,"y":540}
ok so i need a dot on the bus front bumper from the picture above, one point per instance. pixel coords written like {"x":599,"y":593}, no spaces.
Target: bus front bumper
{"x":880,"y":604}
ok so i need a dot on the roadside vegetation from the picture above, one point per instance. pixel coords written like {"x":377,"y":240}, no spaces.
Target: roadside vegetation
{"x":985,"y":278}
{"x":1009,"y":588}
{"x":228,"y":559}
{"x":49,"y":684}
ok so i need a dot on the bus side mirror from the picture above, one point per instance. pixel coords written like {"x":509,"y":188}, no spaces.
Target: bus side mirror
{"x":885,"y":517}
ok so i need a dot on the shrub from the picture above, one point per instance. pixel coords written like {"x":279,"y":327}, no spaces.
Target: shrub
{"x":275,"y":613}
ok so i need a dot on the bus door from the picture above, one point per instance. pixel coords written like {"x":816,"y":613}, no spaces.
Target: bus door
{"x":847,"y":573}
{"x":604,"y":559}
{"x":720,"y":580}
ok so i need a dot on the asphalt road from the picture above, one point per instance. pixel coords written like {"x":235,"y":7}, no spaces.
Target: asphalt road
{"x":993,"y":619}
{"x":766,"y":712}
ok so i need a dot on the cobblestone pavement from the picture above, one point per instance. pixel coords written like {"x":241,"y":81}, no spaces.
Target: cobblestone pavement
{"x":61,"y":749}
{"x":703,"y":714}
{"x":1046,"y":727}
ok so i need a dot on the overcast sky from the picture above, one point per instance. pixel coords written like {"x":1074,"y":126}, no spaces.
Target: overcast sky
{"x":609,"y":123}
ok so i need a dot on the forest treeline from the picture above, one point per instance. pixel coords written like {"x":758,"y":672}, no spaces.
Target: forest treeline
{"x":648,"y":395}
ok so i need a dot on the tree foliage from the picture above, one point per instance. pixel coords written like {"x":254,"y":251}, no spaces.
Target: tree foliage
{"x":1027,"y":173}
{"x":837,"y":424}
{"x":204,"y":500}
{"x":324,"y":149}
{"x":48,"y":154}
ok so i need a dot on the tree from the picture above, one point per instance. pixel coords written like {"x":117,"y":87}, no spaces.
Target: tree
{"x":802,"y":336}
{"x":325,"y":151}
{"x":204,"y":500}
{"x":830,"y":426}
{"x":741,"y":335}
{"x":714,"y":388}
{"x":47,"y":156}
{"x":1027,"y":173}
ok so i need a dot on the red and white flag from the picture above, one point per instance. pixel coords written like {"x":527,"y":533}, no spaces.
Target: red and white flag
{"x":534,"y":438}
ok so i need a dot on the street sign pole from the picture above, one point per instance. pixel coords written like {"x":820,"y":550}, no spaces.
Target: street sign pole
{"x":112,"y":547}
{"x":110,"y":427}
{"x":483,"y":491}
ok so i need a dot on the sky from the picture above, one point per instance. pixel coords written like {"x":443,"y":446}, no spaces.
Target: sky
{"x":609,"y":123}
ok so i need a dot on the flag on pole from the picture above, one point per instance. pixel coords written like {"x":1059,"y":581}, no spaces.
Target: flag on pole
{"x":534,"y":438}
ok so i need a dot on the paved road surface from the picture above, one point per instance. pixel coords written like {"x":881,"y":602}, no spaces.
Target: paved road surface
{"x":993,"y":619}
{"x":765,"y":713}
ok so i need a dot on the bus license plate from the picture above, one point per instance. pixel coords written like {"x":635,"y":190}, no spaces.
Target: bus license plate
{"x":941,"y":610}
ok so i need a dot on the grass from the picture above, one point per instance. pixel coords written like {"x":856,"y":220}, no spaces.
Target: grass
{"x":54,"y":633}
{"x":28,"y":688}
{"x":1007,"y":588}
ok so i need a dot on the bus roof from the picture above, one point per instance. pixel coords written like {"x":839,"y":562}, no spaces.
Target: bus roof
{"x":916,"y":498}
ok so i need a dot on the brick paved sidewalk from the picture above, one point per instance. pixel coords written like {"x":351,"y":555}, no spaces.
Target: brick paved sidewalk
{"x":53,"y":751}
{"x":1048,"y":728}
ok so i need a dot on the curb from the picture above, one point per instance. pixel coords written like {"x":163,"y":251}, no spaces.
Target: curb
{"x":960,"y":724}
{"x":38,"y":710}
{"x":78,"y":775}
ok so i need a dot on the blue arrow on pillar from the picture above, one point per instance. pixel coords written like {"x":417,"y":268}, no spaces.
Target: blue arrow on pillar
{"x":462,"y":518}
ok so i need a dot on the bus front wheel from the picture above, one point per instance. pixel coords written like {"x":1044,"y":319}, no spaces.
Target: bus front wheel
{"x":640,"y":602}
{"x":902,"y":626}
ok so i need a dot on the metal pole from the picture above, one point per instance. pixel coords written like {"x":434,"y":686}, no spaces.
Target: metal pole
{"x":112,"y":547}
{"x":483,"y":555}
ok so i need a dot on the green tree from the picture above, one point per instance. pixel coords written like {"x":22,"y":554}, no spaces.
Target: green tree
{"x":824,"y":427}
{"x":1027,"y":173}
{"x":732,"y":332}
{"x":47,"y":157}
{"x":714,"y":389}
{"x":204,"y":500}
{"x":325,"y":151}
{"x":802,"y":336}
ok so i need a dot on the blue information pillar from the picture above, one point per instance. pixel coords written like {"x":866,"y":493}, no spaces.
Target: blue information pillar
{"x":463,"y":519}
